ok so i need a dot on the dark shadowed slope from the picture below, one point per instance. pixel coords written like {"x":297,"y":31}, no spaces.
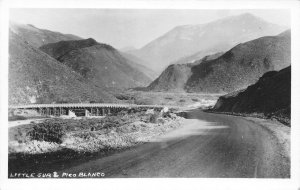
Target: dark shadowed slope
{"x":175,"y":76}
{"x":38,"y":37}
{"x":271,"y":95}
{"x":35,"y":77}
{"x":58,"y":49}
{"x":100,"y":63}
{"x":219,"y":35}
{"x":242,"y":65}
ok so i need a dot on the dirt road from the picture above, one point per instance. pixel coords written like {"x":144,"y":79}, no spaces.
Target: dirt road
{"x":209,"y":145}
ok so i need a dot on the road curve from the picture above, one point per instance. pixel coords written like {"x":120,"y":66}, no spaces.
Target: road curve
{"x":209,"y":145}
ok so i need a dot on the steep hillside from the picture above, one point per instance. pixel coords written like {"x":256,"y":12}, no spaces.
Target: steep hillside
{"x":58,"y":49}
{"x":175,"y":76}
{"x":99,"y":63}
{"x":271,"y":95}
{"x":233,"y":70}
{"x":38,"y":37}
{"x":242,"y":65}
{"x":172,"y":79}
{"x":139,"y":64}
{"x":219,"y":35}
{"x":201,"y":55}
{"x":35,"y":77}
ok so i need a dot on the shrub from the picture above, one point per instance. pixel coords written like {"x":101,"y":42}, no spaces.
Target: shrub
{"x":166,"y":114}
{"x":16,"y":117}
{"x":123,"y":97}
{"x":49,"y":131}
{"x":145,"y":101}
{"x":122,"y":113}
{"x":153,"y":118}
{"x":86,"y":135}
{"x":161,"y":120}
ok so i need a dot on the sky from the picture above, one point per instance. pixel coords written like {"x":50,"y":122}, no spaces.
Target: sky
{"x":129,"y":27}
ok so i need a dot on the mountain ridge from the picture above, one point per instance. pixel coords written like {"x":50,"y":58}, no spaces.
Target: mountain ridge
{"x":221,"y":35}
{"x":237,"y":68}
{"x":100,"y":63}
{"x":35,"y":77}
{"x":38,"y":37}
{"x":251,"y":59}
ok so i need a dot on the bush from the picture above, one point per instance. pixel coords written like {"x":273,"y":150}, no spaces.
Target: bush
{"x":153,"y":118}
{"x":16,"y":117}
{"x":145,"y":101}
{"x":124,"y":97}
{"x":166,"y":115}
{"x":161,"y":120}
{"x":48,"y":131}
{"x":86,"y":135}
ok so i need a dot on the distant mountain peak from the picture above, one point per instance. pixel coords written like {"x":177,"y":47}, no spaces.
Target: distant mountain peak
{"x":221,"y":35}
{"x":247,"y":15}
{"x":244,"y":16}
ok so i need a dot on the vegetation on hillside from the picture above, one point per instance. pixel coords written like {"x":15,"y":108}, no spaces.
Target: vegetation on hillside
{"x":270,"y":97}
{"x":100,"y":63}
{"x":35,"y":77}
{"x":236,"y":69}
{"x":38,"y":37}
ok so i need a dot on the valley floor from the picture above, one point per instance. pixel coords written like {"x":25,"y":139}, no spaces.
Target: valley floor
{"x":180,"y":99}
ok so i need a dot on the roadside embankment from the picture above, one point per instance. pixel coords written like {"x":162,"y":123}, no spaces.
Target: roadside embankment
{"x":269,"y":97}
{"x":62,"y":140}
{"x":284,"y":120}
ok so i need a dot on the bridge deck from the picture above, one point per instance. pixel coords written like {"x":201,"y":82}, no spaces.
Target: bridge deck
{"x":76,"y":105}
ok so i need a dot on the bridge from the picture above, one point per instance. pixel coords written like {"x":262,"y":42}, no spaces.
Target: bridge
{"x":76,"y":109}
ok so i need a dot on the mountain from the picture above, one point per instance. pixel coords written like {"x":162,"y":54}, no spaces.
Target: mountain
{"x":175,"y":76}
{"x":220,"y":35}
{"x":100,"y":63}
{"x":35,"y":77}
{"x":233,"y":70}
{"x":139,"y":64}
{"x":61,"y":48}
{"x":127,"y":49}
{"x":38,"y":37}
{"x":201,"y":55}
{"x":271,"y":95}
{"x":242,"y":65}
